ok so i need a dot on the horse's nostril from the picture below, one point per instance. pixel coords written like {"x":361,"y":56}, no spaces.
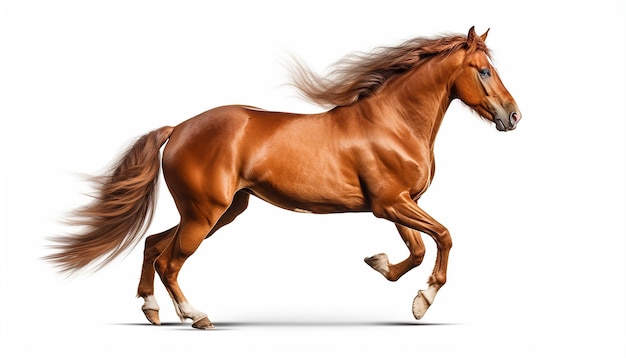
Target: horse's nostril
{"x":514,"y":117}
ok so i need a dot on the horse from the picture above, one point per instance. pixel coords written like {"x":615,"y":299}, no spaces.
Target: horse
{"x":372,"y":151}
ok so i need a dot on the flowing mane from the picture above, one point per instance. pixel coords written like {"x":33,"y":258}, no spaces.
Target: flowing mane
{"x":359,"y":75}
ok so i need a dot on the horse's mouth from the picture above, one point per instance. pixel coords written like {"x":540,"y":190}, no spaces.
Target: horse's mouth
{"x":504,"y":128}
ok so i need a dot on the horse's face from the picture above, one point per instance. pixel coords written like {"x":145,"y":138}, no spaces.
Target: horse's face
{"x":479,"y":86}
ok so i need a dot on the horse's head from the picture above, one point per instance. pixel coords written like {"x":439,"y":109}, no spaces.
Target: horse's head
{"x":479,"y":86}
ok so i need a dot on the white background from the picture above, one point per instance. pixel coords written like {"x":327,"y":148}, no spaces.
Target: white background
{"x":537,"y":215}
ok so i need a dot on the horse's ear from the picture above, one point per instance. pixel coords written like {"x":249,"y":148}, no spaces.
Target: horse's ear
{"x":471,"y":37}
{"x":484,"y":36}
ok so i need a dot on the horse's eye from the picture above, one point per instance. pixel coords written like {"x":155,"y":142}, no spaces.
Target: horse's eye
{"x":484,"y":73}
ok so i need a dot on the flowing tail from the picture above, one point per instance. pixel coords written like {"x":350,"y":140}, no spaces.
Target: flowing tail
{"x":121,"y":212}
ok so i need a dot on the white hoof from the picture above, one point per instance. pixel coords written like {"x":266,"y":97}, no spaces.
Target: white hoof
{"x":203,"y":323}
{"x":423,"y":301}
{"x":379,"y":262}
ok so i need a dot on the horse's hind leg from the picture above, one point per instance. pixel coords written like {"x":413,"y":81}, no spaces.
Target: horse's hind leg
{"x":154,"y":246}
{"x":190,"y":234}
{"x":393,"y":272}
{"x":192,"y":231}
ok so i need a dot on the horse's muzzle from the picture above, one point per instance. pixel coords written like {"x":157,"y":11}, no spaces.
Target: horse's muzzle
{"x":510,"y":124}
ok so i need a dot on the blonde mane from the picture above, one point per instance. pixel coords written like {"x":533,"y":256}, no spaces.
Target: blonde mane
{"x":359,"y":75}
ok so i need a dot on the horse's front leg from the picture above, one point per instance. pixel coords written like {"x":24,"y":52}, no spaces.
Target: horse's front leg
{"x":404,"y":211}
{"x":413,"y":240}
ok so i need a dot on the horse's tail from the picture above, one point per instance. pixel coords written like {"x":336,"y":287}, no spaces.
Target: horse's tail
{"x":122,"y":209}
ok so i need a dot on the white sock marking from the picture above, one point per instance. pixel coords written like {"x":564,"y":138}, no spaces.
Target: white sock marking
{"x":150,"y":303}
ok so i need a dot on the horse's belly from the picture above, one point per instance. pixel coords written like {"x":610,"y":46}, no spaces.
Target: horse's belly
{"x":312,"y":197}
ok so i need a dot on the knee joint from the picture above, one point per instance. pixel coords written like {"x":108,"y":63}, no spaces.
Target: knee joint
{"x":444,"y":240}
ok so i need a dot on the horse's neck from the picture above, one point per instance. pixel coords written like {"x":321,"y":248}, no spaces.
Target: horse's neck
{"x":422,"y":96}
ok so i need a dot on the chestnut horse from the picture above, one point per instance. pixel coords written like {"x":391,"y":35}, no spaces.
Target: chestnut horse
{"x":371,"y":152}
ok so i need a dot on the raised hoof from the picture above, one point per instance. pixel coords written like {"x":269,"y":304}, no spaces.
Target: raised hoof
{"x":421,"y":303}
{"x":203,"y":323}
{"x":152,"y":316}
{"x":379,"y":262}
